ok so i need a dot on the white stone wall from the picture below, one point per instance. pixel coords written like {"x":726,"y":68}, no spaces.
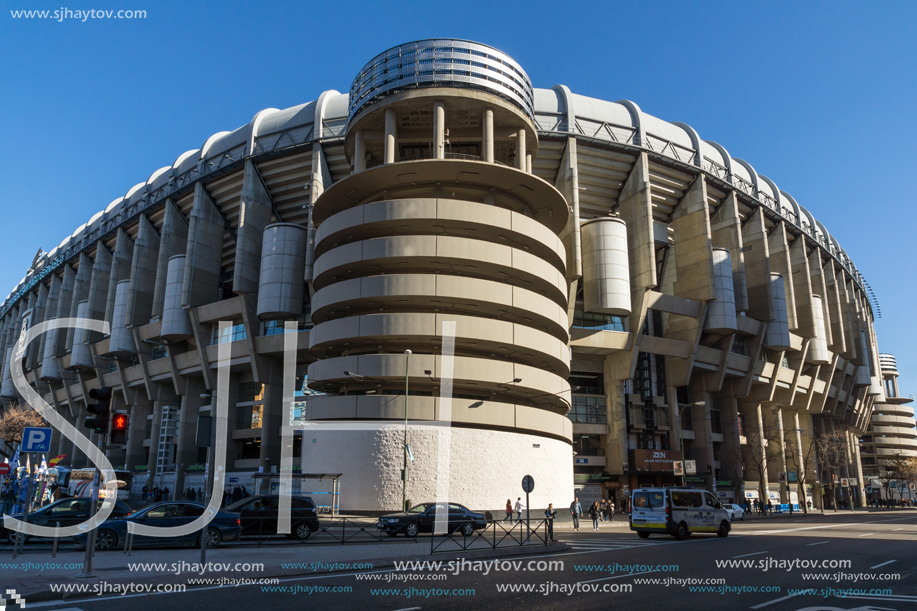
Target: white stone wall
{"x":486,"y":466}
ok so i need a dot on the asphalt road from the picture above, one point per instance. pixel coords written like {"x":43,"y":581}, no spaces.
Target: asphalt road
{"x":856,"y":554}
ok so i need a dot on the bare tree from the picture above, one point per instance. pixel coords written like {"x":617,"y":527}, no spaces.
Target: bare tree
{"x":13,"y":420}
{"x":759,"y":451}
{"x":802,"y":461}
{"x":832,"y":455}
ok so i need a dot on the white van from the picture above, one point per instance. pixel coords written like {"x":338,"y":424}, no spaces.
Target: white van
{"x":677,"y":511}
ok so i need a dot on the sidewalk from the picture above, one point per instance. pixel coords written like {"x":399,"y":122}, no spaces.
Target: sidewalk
{"x":279,"y":561}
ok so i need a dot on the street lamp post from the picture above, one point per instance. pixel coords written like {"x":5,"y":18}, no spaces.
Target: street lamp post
{"x":404,"y":473}
{"x":681,"y":440}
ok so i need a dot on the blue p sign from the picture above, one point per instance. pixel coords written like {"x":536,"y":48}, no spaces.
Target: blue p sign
{"x":36,"y":439}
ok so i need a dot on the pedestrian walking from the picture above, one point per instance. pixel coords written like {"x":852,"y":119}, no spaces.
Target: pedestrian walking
{"x":509,"y":511}
{"x":594,"y":512}
{"x":576,"y":510}
{"x":770,"y":507}
{"x":519,"y":508}
{"x":549,"y":514}
{"x":611,"y":509}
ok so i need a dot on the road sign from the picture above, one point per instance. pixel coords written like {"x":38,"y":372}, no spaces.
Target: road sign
{"x":4,"y":468}
{"x":690,"y":467}
{"x":792,"y":477}
{"x":853,"y":481}
{"x":845,"y":482}
{"x":678,"y":467}
{"x":781,"y":477}
{"x":35,"y":439}
{"x":528,"y":484}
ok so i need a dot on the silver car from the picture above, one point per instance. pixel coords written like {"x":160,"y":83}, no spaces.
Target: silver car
{"x":735,"y":512}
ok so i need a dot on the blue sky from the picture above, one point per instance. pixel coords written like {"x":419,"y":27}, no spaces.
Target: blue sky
{"x":818,"y":96}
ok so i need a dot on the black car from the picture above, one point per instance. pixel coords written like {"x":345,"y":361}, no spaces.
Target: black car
{"x":422,"y":518}
{"x":65,"y":511}
{"x":113,"y":532}
{"x":259,"y":516}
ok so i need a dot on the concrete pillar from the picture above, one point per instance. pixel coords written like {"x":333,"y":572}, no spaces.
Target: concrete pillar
{"x":858,"y":464}
{"x":204,"y":251}
{"x":488,"y":138}
{"x":635,"y":208}
{"x":439,"y":129}
{"x":528,"y":163}
{"x":693,"y":245}
{"x":606,"y":273}
{"x":802,"y":475}
{"x":49,"y":370}
{"x":136,"y":454}
{"x":271,"y":418}
{"x":65,"y":445}
{"x":776,"y":420}
{"x":726,"y":227}
{"x":121,"y":343}
{"x":34,"y":350}
{"x":80,"y":353}
{"x":173,"y":240}
{"x":186,"y":451}
{"x":702,"y":446}
{"x":319,"y":167}
{"x":780,"y":263}
{"x":255,"y":215}
{"x":758,"y":268}
{"x":777,"y":336}
{"x":154,"y":439}
{"x":520,"y":149}
{"x":139,"y":305}
{"x":818,"y":348}
{"x":721,"y":313}
{"x":838,"y":338}
{"x":359,"y":152}
{"x":802,"y":288}
{"x":282,"y":268}
{"x":78,"y":459}
{"x":97,"y":297}
{"x":176,"y":324}
{"x":391,"y":135}
{"x":80,"y":292}
{"x":120,"y":269}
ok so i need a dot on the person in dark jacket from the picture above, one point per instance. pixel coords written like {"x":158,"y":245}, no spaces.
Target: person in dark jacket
{"x":594,"y":512}
{"x":549,"y":513}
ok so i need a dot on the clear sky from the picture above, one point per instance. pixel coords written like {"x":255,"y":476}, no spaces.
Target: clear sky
{"x":818,"y":96}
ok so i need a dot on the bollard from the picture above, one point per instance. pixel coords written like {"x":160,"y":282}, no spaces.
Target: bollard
{"x":56,"y":540}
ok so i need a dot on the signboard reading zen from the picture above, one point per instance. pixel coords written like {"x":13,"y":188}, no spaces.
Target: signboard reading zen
{"x":655,"y":460}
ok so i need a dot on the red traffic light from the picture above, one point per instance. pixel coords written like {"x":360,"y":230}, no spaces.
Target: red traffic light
{"x":119,"y":422}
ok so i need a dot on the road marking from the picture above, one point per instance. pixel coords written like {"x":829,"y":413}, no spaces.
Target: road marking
{"x":883,"y":564}
{"x":617,"y":577}
{"x":867,"y":535}
{"x":747,"y":555}
{"x":894,"y":529}
{"x":776,"y":600}
{"x":405,"y":609}
{"x":820,"y":543}
{"x":790,"y":530}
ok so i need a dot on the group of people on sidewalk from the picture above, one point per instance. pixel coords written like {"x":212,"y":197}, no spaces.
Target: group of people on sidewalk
{"x":599,"y":511}
{"x":603,"y":511}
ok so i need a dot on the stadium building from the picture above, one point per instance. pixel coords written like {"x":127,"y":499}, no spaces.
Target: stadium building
{"x":620,"y":294}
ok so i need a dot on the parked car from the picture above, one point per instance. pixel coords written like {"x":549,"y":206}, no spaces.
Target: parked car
{"x":421,"y":518}
{"x":259,"y":516}
{"x":67,"y":512}
{"x":736,"y":512}
{"x":111,"y":533}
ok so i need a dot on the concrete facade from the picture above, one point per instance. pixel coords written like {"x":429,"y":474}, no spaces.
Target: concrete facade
{"x":620,"y":288}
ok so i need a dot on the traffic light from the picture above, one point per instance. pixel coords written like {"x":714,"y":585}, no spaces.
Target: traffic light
{"x":102,"y":409}
{"x":119,"y":424}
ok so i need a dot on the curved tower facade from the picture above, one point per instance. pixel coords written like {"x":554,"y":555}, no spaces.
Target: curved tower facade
{"x":441,"y":237}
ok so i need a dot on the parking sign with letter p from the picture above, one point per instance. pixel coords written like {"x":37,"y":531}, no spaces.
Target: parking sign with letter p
{"x":35,"y":439}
